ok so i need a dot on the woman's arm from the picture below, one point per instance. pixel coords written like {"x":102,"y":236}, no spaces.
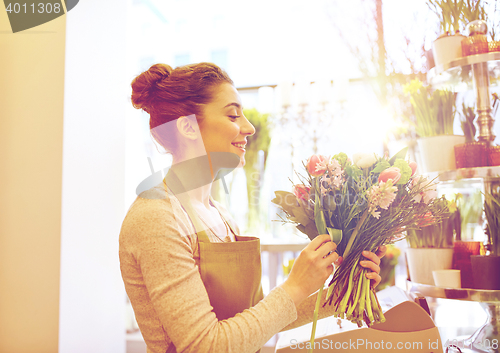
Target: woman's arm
{"x":306,"y":308}
{"x":166,"y":290}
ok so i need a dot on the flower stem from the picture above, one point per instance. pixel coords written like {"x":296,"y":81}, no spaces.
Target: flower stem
{"x":315,"y":318}
{"x":358,"y":292}
{"x":354,"y":234}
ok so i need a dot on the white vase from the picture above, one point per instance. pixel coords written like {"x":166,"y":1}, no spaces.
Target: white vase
{"x":447,"y":48}
{"x":437,"y":153}
{"x":422,"y":261}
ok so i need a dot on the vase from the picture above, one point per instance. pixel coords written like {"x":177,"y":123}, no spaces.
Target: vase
{"x":437,"y":153}
{"x":475,"y":44}
{"x":485,"y":271}
{"x":422,"y":261}
{"x":462,"y":252}
{"x":447,"y":48}
{"x":471,"y":155}
{"x":494,"y":156}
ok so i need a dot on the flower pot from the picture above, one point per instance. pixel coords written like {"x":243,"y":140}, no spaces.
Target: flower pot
{"x":422,"y":261}
{"x":429,"y":57}
{"x":485,"y":271}
{"x":447,"y":48}
{"x":462,"y":251}
{"x":447,"y":278}
{"x":494,"y":156}
{"x":470,"y":155}
{"x":437,"y":152}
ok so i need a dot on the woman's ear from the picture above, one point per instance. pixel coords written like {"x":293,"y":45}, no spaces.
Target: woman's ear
{"x":188,"y":127}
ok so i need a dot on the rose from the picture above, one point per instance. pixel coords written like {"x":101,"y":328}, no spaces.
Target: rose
{"x":317,"y":165}
{"x":427,"y":189}
{"x":413,"y":166}
{"x":390,"y":173}
{"x":364,"y":160}
{"x":301,"y":191}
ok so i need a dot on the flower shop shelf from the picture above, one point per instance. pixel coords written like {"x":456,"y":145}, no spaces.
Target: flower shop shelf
{"x":457,"y":74}
{"x":484,"y":173}
{"x":489,"y":300}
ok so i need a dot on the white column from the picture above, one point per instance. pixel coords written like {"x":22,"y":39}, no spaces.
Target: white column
{"x":92,"y":296}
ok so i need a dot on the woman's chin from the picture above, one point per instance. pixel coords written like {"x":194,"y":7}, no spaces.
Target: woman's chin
{"x":242,"y":162}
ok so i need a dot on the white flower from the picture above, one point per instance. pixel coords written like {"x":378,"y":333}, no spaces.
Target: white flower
{"x":364,"y":160}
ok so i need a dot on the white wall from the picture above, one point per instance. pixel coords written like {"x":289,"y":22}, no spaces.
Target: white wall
{"x":92,"y":297}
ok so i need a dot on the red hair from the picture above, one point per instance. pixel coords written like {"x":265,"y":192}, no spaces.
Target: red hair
{"x":167,"y":94}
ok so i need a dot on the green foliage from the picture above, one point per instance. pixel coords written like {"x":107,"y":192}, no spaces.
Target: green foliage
{"x":467,"y":122}
{"x":473,"y":10}
{"x":449,"y":13}
{"x":404,"y":169}
{"x":260,"y":141}
{"x":434,"y":111}
{"x":492,"y":214}
{"x":439,"y":235}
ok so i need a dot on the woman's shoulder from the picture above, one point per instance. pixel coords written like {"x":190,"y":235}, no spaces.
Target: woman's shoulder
{"x":153,"y":213}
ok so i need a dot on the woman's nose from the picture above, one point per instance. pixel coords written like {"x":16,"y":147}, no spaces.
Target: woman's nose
{"x":246,"y":127}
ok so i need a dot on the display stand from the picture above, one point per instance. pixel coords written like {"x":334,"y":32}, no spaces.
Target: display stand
{"x":476,"y":71}
{"x":487,"y":337}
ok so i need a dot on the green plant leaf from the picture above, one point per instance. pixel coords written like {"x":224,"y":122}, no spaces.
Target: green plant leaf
{"x":401,"y":154}
{"x":335,"y":235}
{"x":286,"y":200}
{"x":300,"y":216}
{"x":404,"y":169}
{"x":381,"y":166}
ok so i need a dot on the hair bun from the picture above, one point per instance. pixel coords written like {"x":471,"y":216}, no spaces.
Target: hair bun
{"x":144,"y":86}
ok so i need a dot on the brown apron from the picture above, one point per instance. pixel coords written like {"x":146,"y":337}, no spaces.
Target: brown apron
{"x":231,"y":272}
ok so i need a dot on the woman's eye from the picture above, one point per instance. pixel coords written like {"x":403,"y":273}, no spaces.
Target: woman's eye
{"x":234,"y":116}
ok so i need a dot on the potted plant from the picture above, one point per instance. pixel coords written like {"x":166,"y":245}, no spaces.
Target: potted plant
{"x":474,"y":16}
{"x":448,"y":46}
{"x":485,"y":267}
{"x":431,"y":248}
{"x":434,"y":117}
{"x":471,"y":153}
{"x":256,"y":155}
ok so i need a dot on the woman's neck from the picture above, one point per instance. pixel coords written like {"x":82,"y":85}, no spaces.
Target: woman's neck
{"x":196,"y":178}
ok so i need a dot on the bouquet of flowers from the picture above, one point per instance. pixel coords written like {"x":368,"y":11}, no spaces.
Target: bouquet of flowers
{"x":363,"y":204}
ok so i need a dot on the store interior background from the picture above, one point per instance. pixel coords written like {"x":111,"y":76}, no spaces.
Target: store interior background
{"x":73,"y":149}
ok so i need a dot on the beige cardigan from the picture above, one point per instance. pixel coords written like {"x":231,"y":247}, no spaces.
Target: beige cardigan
{"x":159,"y":260}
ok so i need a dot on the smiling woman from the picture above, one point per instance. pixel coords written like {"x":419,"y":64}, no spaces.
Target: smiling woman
{"x":193,"y":281}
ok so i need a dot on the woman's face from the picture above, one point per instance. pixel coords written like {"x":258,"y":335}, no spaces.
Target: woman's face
{"x":224,"y":128}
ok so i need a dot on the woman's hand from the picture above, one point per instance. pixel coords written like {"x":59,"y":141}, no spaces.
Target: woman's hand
{"x":311,"y":269}
{"x":373,"y":263}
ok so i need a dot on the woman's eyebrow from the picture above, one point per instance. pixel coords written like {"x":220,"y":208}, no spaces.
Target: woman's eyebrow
{"x":237,"y":105}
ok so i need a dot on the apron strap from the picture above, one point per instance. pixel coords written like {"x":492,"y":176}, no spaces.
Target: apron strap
{"x":231,"y":226}
{"x":175,"y":187}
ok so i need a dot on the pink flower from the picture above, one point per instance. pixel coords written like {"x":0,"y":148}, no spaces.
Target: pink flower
{"x":301,"y":191}
{"x":413,"y":166}
{"x":317,"y":165}
{"x":392,"y":173}
{"x":427,"y":190}
{"x":381,"y":195}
